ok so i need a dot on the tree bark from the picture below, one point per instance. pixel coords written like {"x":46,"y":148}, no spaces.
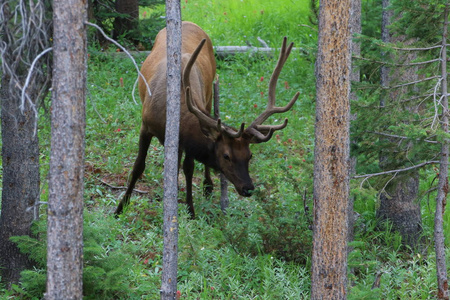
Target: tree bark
{"x":20,"y":144}
{"x":398,"y":200}
{"x":65,"y":204}
{"x":441,"y":199}
{"x":129,"y":9}
{"x":20,"y":193}
{"x":224,"y":201}
{"x":331,"y":152}
{"x":170,"y":251}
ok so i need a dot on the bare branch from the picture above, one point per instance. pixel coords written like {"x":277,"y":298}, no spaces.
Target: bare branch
{"x":124,"y":50}
{"x":437,"y":103}
{"x":263,"y":42}
{"x":417,"y":49}
{"x":27,"y":81}
{"x":115,"y":187}
{"x":396,"y":171}
{"x":397,"y":65}
{"x":401,"y":137}
{"x":411,"y":83}
{"x":416,"y":97}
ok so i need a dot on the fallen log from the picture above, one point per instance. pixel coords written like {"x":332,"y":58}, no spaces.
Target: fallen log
{"x":222,"y":51}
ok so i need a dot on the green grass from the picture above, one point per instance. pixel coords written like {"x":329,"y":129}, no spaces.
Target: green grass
{"x":237,"y":23}
{"x":261,"y":248}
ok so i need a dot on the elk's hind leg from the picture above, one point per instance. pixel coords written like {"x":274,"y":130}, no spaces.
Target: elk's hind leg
{"x":145,"y":139}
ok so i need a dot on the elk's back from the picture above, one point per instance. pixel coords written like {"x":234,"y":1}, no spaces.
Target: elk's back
{"x":192,"y":35}
{"x":154,"y":70}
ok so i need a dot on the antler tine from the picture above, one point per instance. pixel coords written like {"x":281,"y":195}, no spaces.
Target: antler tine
{"x":256,"y":130}
{"x":266,"y":128}
{"x":284,"y":54}
{"x":258,"y":137}
{"x":271,"y":108}
{"x":202,"y":117}
{"x":229,"y":131}
{"x":192,"y":59}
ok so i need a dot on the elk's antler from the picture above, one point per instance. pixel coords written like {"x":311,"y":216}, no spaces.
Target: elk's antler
{"x":205,"y":119}
{"x":262,"y":133}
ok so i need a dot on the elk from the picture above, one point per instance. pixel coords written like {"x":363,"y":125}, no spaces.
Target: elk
{"x":202,"y":138}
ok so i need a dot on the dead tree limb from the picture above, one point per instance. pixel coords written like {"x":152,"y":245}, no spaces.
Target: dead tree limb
{"x":441,"y":199}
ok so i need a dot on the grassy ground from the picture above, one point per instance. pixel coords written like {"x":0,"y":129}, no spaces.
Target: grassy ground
{"x":261,"y":248}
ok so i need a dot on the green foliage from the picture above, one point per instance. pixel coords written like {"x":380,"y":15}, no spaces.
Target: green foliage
{"x":151,"y":22}
{"x":260,"y":249}
{"x":399,"y":122}
{"x":420,"y":19}
{"x":209,"y":268}
{"x":106,"y":257}
{"x":238,"y":22}
{"x":279,"y":223}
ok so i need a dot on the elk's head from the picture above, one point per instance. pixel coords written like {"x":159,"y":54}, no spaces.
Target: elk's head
{"x":231,"y":145}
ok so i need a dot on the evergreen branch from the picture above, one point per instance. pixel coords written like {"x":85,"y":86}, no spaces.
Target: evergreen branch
{"x":396,"y":171}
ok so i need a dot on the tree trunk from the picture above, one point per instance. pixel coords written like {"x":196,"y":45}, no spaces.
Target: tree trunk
{"x":20,"y":145}
{"x":331,"y":152}
{"x":170,"y":252}
{"x":224,"y":201}
{"x":20,"y":194}
{"x":398,"y":200}
{"x":65,"y":204}
{"x":129,"y":9}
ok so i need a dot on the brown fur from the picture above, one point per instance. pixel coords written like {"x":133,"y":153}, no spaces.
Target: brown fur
{"x":202,"y":138}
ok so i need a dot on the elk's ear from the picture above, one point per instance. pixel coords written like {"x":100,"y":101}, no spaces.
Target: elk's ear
{"x":210,"y":132}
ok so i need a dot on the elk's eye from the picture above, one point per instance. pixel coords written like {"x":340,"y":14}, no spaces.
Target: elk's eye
{"x":226,"y":157}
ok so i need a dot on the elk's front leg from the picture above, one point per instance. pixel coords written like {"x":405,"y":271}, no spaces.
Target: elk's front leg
{"x":188,"y":169}
{"x":207,"y":183}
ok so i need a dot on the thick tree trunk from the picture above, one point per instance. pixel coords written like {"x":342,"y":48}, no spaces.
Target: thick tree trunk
{"x":20,"y":146}
{"x":129,"y":9}
{"x":65,"y":204}
{"x":331,"y":152}
{"x":170,"y":252}
{"x":20,"y":193}
{"x":398,"y":204}
{"x":398,"y":201}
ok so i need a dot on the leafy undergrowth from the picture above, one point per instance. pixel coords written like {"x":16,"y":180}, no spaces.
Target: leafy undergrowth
{"x":261,"y":248}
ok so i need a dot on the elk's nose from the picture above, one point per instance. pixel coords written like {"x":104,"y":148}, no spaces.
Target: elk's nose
{"x":248,"y":191}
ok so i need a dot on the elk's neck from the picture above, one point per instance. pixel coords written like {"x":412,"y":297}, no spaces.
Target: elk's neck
{"x":198,"y":146}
